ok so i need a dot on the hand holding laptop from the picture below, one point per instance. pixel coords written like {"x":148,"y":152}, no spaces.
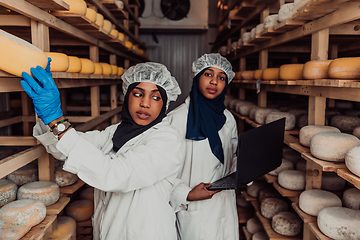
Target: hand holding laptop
{"x":199,"y":192}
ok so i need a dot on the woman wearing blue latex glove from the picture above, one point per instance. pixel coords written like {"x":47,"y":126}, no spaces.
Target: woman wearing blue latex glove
{"x":132,"y":165}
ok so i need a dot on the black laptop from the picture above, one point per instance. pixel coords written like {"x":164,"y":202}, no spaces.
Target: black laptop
{"x":259,"y":152}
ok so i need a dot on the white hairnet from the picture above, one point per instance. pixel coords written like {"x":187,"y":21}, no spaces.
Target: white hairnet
{"x":156,"y":73}
{"x":213,"y":60}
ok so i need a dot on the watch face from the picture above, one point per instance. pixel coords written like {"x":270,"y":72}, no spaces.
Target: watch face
{"x":61,"y":127}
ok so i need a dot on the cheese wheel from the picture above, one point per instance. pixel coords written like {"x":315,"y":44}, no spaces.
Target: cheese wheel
{"x":316,"y":69}
{"x":258,"y":74}
{"x":269,"y":192}
{"x":298,"y":112}
{"x":345,"y":123}
{"x":253,"y":225}
{"x":247,"y":75}
{"x":352,"y":160}
{"x":64,"y":178}
{"x":285,"y":165}
{"x":107,"y":26}
{"x":351,"y":198}
{"x":292,"y":179}
{"x":307,"y":132}
{"x":270,"y":74}
{"x":66,"y":226}
{"x":252,"y":112}
{"x":291,"y":71}
{"x":87,"y":193}
{"x":12,"y":232}
{"x":238,"y":104}
{"x":59,"y":61}
{"x":45,"y":191}
{"x":76,"y":6}
{"x":339,"y":223}
{"x":80,"y":210}
{"x":261,"y":113}
{"x":332,"y":182}
{"x":241,"y":201}
{"x":237,"y":75}
{"x":286,"y":11}
{"x":114,"y":69}
{"x":259,"y":28}
{"x":8,"y":191}
{"x":271,"y":21}
{"x":120,"y":71}
{"x":254,"y":188}
{"x":74,"y":64}
{"x":312,"y":201}
{"x":299,"y":3}
{"x":244,"y":109}
{"x":128,"y":44}
{"x":25,"y":174}
{"x":271,"y":206}
{"x":87,"y":66}
{"x":91,"y":14}
{"x":246,"y":37}
{"x":252,"y":33}
{"x":98,"y":68}
{"x":345,"y":68}
{"x":121,"y":36}
{"x":99,"y":20}
{"x":260,"y":236}
{"x":233,"y":102}
{"x":287,"y":224}
{"x":17,"y":55}
{"x":114,"y":33}
{"x":332,"y":146}
{"x":107,"y":69}
{"x":290,"y":119}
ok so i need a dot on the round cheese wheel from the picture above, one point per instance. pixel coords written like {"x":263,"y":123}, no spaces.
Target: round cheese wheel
{"x":114,"y":69}
{"x":80,"y":210}
{"x":259,"y":28}
{"x":87,"y":66}
{"x":332,"y":182}
{"x":247,"y":75}
{"x":312,"y":201}
{"x":244,"y":109}
{"x":285,"y":165}
{"x":252,"y":33}
{"x":98,"y":68}
{"x":299,"y":3}
{"x":91,"y":14}
{"x":332,"y":146}
{"x":345,"y":68}
{"x":258,"y":74}
{"x":291,"y":71}
{"x":339,"y":223}
{"x":287,"y":224}
{"x":25,"y":174}
{"x":307,"y":132}
{"x":261,"y":113}
{"x":45,"y":191}
{"x":74,"y":64}
{"x":114,"y":33}
{"x":254,"y":188}
{"x":87,"y":193}
{"x":301,"y":165}
{"x":121,"y":36}
{"x":120,"y":71}
{"x":238,"y":104}
{"x":238,"y":75}
{"x":64,"y":178}
{"x":65,"y":226}
{"x":351,"y":198}
{"x":260,"y":236}
{"x":271,"y":206}
{"x":99,"y":20}
{"x":352,"y":160}
{"x":253,"y":225}
{"x":316,"y":69}
{"x":269,"y":192}
{"x":8,"y":191}
{"x":252,"y":112}
{"x":11,"y":232}
{"x":345,"y":123}
{"x":76,"y":6}
{"x":59,"y":61}
{"x":289,"y":122}
{"x":107,"y":69}
{"x":271,"y":21}
{"x":17,"y":55}
{"x":107,"y":26}
{"x":292,"y":179}
{"x":298,"y":112}
{"x":286,"y":11}
{"x":128,"y":44}
{"x":270,"y":74}
{"x":246,"y":37}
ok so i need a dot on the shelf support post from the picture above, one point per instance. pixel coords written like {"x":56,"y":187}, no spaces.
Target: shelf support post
{"x":113,"y":90}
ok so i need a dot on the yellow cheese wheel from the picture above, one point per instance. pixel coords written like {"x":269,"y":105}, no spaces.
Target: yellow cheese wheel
{"x":107,"y":26}
{"x":258,"y":74}
{"x":107,"y":69}
{"x":25,"y":174}
{"x":247,"y":75}
{"x":80,"y":210}
{"x":121,"y":36}
{"x":8,"y":191}
{"x":98,"y":68}
{"x":74,"y":64}
{"x":45,"y":191}
{"x":66,"y":227}
{"x":99,"y":20}
{"x":59,"y":61}
{"x":91,"y":14}
{"x":345,"y":68}
{"x":76,"y":6}
{"x":87,"y":66}
{"x":316,"y":69}
{"x":17,"y":55}
{"x":238,"y":75}
{"x":128,"y":44}
{"x":270,"y":74}
{"x":87,"y":193}
{"x":291,"y":71}
{"x":120,"y":71}
{"x":114,"y":69}
{"x":114,"y":33}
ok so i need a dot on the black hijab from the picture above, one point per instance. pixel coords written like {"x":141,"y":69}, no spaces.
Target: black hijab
{"x":128,"y":128}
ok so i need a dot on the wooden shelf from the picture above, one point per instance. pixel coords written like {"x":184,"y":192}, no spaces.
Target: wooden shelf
{"x":72,"y":188}
{"x":57,"y":207}
{"x":252,"y":123}
{"x":316,"y":231}
{"x":248,"y":236}
{"x":270,"y":32}
{"x":304,"y":216}
{"x":134,"y":18}
{"x":288,"y":25}
{"x":349,"y":176}
{"x":286,"y":192}
{"x":323,"y":165}
{"x":317,"y":8}
{"x":50,"y":4}
{"x":114,"y":8}
{"x":270,"y":178}
{"x":294,"y":143}
{"x":38,"y":232}
{"x":259,"y":38}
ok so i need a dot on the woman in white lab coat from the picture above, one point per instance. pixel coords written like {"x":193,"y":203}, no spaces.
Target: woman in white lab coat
{"x":211,"y":141}
{"x":131,"y":165}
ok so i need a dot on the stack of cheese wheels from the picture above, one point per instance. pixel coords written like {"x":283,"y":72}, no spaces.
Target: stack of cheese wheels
{"x":66,"y":228}
{"x":312,"y":201}
{"x":260,"y":236}
{"x":17,"y":55}
{"x":269,"y":192}
{"x":254,"y":188}
{"x":351,"y":198}
{"x":76,"y":6}
{"x":307,"y":132}
{"x":8,"y":191}
{"x":332,"y":146}
{"x":291,"y":71}
{"x":287,"y":224}
{"x":114,"y":33}
{"x":271,"y":206}
{"x":352,"y":160}
{"x":286,"y":11}
{"x":289,"y":122}
{"x":114,"y":69}
{"x":244,"y":109}
{"x":87,"y":66}
{"x":98,"y":69}
{"x":64,"y":178}
{"x":345,"y":123}
{"x":25,"y":174}
{"x":120,"y":71}
{"x":345,"y":68}
{"x":107,"y":26}
{"x":253,"y":225}
{"x":292,"y":179}
{"x":107,"y":69}
{"x":332,"y":182}
{"x":74,"y":64}
{"x":128,"y":44}
{"x":80,"y":210}
{"x":238,"y":75}
{"x":18,"y":217}
{"x":285,"y":165}
{"x":271,"y":21}
{"x":87,"y":193}
{"x":91,"y":14}
{"x":270,"y":74}
{"x":59,"y":61}
{"x":261,"y":113}
{"x":339,"y":223}
{"x":258,"y":74}
{"x":316,"y":69}
{"x":99,"y":20}
{"x":45,"y":191}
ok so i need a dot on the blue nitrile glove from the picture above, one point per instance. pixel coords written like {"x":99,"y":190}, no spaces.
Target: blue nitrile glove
{"x":44,"y":93}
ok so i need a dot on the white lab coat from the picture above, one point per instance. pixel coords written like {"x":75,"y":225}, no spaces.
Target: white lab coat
{"x":132,"y":186}
{"x":215,"y":218}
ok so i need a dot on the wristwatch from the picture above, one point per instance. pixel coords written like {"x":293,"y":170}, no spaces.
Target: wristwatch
{"x":61,"y":127}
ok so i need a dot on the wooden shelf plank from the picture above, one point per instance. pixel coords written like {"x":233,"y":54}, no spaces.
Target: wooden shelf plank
{"x":252,"y":123}
{"x":236,"y":114}
{"x":270,"y":32}
{"x":50,"y":4}
{"x":317,"y":8}
{"x":18,"y":141}
{"x":294,"y":143}
{"x":72,"y":188}
{"x":288,"y":25}
{"x":57,"y":207}
{"x":73,"y":18}
{"x":349,"y":176}
{"x":259,"y":38}
{"x":318,"y":234}
{"x":270,"y":178}
{"x":248,"y":236}
{"x":324,"y":166}
{"x":114,"y":8}
{"x":256,"y":205}
{"x":286,"y":192}
{"x":244,"y":214}
{"x":37,"y":232}
{"x":304,"y":216}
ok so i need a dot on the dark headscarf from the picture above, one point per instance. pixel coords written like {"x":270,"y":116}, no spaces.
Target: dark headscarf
{"x":206,"y":117}
{"x":128,"y":128}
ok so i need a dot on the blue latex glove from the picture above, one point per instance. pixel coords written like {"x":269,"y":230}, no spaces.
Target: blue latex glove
{"x":44,"y":93}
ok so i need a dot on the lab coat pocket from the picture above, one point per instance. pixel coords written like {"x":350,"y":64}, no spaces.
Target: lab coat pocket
{"x":189,"y":224}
